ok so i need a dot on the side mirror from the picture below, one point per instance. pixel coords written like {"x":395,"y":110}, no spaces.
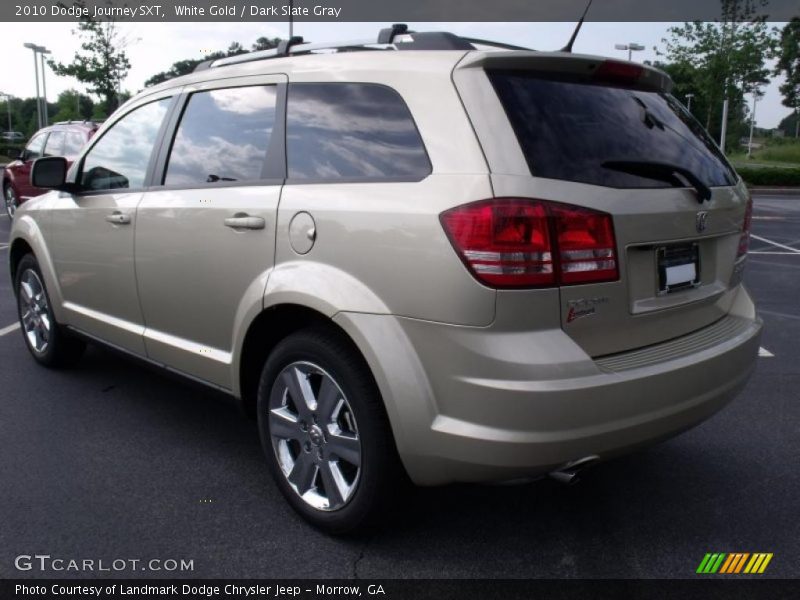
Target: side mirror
{"x":21,"y":155}
{"x":49,"y":172}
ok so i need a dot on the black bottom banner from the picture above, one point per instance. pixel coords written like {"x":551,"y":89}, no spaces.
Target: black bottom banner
{"x":392,"y":589}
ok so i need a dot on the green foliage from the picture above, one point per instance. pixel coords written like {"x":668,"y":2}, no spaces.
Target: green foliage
{"x":781,"y":150}
{"x":187,"y":65}
{"x":722,"y":59}
{"x":766,"y":176}
{"x":789,"y":125}
{"x":73,"y":106}
{"x":789,"y":63}
{"x":101,"y":63}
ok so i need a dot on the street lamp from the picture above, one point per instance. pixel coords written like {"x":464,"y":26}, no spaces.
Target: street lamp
{"x":41,"y":116}
{"x":689,"y":102}
{"x":631,"y":48}
{"x":752,"y":123}
{"x":42,"y":52}
{"x":34,"y":47}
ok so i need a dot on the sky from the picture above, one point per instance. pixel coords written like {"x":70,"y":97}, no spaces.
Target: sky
{"x":153,"y":47}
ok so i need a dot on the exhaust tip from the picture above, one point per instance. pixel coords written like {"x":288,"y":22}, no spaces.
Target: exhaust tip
{"x":569,"y":473}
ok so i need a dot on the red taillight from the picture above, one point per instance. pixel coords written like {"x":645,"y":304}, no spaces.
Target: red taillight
{"x":514,"y":243}
{"x":744,"y":240}
{"x":618,"y":72}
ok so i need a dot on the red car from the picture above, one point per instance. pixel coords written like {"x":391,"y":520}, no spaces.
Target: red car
{"x":60,"y":139}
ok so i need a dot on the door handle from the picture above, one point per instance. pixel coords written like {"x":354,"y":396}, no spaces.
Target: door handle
{"x":118,"y":218}
{"x":245,"y":222}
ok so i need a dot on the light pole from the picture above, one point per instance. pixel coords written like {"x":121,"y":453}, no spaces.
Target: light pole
{"x":42,"y":52}
{"x":34,"y":47}
{"x":689,"y":102}
{"x":631,"y":48}
{"x":752,"y":123}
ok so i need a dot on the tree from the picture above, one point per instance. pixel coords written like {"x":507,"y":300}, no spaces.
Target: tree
{"x":789,"y":63}
{"x":73,"y":106}
{"x":727,"y":57}
{"x":790,"y":125}
{"x":101,"y":63}
{"x":187,"y":65}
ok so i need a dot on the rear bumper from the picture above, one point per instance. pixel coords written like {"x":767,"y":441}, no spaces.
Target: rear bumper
{"x":494,"y":406}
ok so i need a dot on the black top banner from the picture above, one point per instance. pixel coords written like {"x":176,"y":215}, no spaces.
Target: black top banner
{"x":396,"y":10}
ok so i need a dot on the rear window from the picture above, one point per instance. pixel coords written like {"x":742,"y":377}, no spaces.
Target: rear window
{"x":352,"y":131}
{"x":567,"y":130}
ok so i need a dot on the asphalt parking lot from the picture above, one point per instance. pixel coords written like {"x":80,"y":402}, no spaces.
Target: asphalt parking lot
{"x":111,"y":460}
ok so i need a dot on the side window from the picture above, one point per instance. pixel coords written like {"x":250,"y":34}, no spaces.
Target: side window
{"x":223,"y":135}
{"x":119,"y":159}
{"x":73,"y":143}
{"x":55,"y":144}
{"x":35,"y":147}
{"x":353,"y":131}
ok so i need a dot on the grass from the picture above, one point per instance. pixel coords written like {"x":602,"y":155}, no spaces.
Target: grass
{"x":4,"y":160}
{"x":776,"y":163}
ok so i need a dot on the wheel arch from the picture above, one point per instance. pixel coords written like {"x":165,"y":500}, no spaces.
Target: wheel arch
{"x":269,"y":327}
{"x":27,"y":238}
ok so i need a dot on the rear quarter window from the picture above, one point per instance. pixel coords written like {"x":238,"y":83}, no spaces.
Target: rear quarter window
{"x":567,"y":130}
{"x":352,"y":131}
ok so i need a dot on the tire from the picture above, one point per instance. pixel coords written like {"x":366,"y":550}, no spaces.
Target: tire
{"x":10,"y":200}
{"x":333,"y":458}
{"x":46,"y":340}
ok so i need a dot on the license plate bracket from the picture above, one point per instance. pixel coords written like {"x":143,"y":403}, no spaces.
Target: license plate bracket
{"x":678,"y":267}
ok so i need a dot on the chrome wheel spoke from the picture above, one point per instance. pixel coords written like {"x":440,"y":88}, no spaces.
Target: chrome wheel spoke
{"x":297,"y":383}
{"x":346,"y":447}
{"x":27,"y":318}
{"x":26,"y":293}
{"x":336,"y":488}
{"x":303,"y":473}
{"x":284,"y":425}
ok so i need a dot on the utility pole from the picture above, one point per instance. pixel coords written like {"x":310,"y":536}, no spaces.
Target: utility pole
{"x":724,"y":132}
{"x":752,"y":124}
{"x":36,"y":71}
{"x":42,"y":52}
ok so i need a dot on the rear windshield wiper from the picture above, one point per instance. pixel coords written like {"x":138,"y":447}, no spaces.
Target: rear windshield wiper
{"x":661,"y":172}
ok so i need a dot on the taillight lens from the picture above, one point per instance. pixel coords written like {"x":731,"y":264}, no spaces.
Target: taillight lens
{"x":518,"y":243}
{"x":744,"y":240}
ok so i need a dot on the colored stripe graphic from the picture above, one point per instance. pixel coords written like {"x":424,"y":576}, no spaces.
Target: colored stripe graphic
{"x":733,"y":563}
{"x":711,"y":563}
{"x":731,"y":560}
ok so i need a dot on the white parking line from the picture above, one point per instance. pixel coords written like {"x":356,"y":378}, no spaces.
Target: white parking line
{"x":9,"y":329}
{"x":776,"y":244}
{"x":756,"y":252}
{"x":764,"y":353}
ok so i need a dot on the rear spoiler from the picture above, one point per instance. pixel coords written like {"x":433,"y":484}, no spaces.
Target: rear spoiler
{"x":580,"y":67}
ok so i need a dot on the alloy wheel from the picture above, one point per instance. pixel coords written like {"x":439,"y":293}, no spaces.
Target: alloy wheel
{"x":34,"y":311}
{"x":10,"y":201}
{"x":314,"y":436}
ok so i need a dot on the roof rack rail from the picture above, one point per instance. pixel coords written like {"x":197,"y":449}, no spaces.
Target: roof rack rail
{"x":75,"y":121}
{"x":396,"y":37}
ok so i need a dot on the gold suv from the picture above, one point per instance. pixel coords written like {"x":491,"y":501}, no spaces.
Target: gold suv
{"x":419,"y":256}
